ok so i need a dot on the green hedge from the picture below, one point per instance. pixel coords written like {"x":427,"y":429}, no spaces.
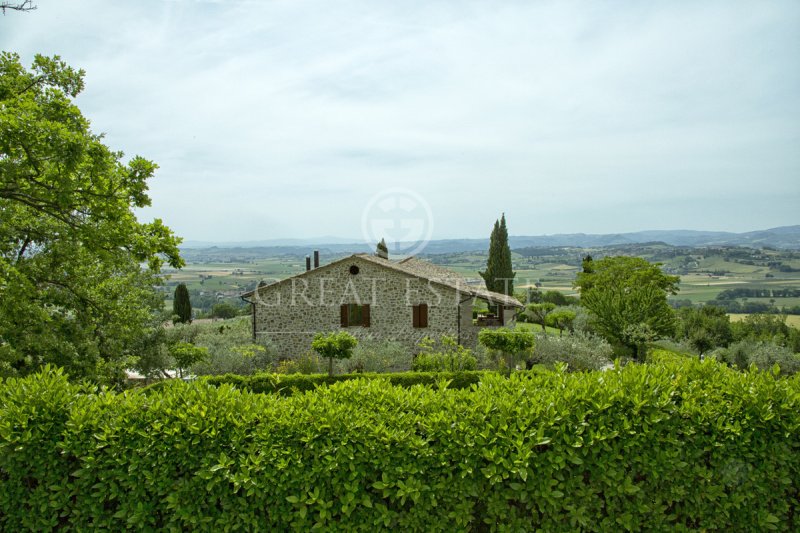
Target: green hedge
{"x":674,"y":446}
{"x":288,"y":384}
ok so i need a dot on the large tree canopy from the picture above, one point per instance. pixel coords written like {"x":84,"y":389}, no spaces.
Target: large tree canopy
{"x":627,"y":297}
{"x":77,"y":269}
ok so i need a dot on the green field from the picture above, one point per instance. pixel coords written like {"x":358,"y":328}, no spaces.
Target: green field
{"x":219,"y":273}
{"x":792,"y":320}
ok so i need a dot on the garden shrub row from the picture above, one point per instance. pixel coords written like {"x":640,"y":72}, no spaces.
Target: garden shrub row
{"x":684,"y":445}
{"x":288,"y":384}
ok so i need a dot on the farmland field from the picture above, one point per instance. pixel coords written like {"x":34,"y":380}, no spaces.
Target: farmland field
{"x":224,"y":273}
{"x":792,"y":320}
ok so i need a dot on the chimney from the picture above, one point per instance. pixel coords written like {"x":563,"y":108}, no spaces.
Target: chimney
{"x":382,"y":250}
{"x":308,"y":263}
{"x":316,"y":258}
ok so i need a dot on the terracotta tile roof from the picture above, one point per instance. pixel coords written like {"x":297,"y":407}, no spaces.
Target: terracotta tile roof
{"x":427,"y":270}
{"x":419,"y":268}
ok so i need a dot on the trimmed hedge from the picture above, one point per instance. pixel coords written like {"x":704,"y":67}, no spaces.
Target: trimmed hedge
{"x":680,"y":446}
{"x":288,"y":384}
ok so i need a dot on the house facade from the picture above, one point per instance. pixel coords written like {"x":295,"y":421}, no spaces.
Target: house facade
{"x":372,"y":296}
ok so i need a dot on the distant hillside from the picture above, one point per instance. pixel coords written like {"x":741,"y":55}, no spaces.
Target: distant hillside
{"x":786,"y":237}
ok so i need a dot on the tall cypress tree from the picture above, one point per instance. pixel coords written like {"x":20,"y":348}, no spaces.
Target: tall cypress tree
{"x":499,"y":274}
{"x":181,"y":306}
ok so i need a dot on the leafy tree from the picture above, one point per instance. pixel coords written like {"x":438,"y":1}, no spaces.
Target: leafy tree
{"x":181,"y":305}
{"x":499,"y":273}
{"x":588,"y":264}
{"x":561,"y":319}
{"x":187,"y":354}
{"x":512,"y":344}
{"x":224,"y":310}
{"x":336,"y":345}
{"x":558,"y":298}
{"x":538,"y":313}
{"x":769,"y":328}
{"x":72,"y":291}
{"x":627,"y":297}
{"x":624,"y":271}
{"x":705,"y":328}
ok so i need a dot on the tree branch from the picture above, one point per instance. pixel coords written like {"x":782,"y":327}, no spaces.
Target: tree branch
{"x":25,"y":5}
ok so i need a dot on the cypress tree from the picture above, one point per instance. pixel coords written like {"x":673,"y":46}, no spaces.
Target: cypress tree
{"x":499,"y":274}
{"x":181,"y":306}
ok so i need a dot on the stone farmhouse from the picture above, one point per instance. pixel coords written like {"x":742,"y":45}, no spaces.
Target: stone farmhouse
{"x":372,"y":296}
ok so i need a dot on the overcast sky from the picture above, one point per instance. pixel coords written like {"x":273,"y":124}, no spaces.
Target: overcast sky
{"x":291,"y":119}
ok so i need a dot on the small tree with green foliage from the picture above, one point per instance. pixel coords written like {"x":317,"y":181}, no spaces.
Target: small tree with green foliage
{"x":512,"y":344}
{"x":705,"y":328}
{"x":627,"y":297}
{"x":336,"y":345}
{"x":181,"y":305}
{"x":187,"y":354}
{"x":537,"y":313}
{"x":561,"y":319}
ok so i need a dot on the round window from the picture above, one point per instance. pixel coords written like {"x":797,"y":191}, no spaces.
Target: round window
{"x":354,"y":270}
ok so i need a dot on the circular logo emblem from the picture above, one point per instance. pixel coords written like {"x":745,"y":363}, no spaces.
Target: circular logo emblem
{"x":400,"y":216}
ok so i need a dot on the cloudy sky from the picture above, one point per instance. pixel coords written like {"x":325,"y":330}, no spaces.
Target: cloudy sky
{"x":292,"y":118}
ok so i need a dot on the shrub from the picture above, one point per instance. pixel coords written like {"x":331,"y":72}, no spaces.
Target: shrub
{"x":760,"y":353}
{"x":512,"y":344}
{"x":581,"y":351}
{"x":224,"y":310}
{"x":230,"y":348}
{"x":685,"y":445}
{"x":376,"y":355}
{"x":308,"y":363}
{"x":446,"y":355}
{"x":444,"y":362}
{"x":292,"y":383}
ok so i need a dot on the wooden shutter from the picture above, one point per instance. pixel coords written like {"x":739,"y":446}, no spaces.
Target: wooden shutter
{"x":365,"y":315}
{"x":420,"y":316}
{"x":343,"y":315}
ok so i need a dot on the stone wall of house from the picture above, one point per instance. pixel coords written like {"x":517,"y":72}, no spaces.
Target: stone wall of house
{"x":469,"y":331}
{"x":291,"y":312}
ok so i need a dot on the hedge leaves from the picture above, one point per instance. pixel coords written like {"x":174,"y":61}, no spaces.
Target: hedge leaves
{"x":672,"y":446}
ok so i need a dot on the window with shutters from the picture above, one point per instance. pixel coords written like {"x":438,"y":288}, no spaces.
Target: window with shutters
{"x":420,"y":316}
{"x":353,"y":315}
